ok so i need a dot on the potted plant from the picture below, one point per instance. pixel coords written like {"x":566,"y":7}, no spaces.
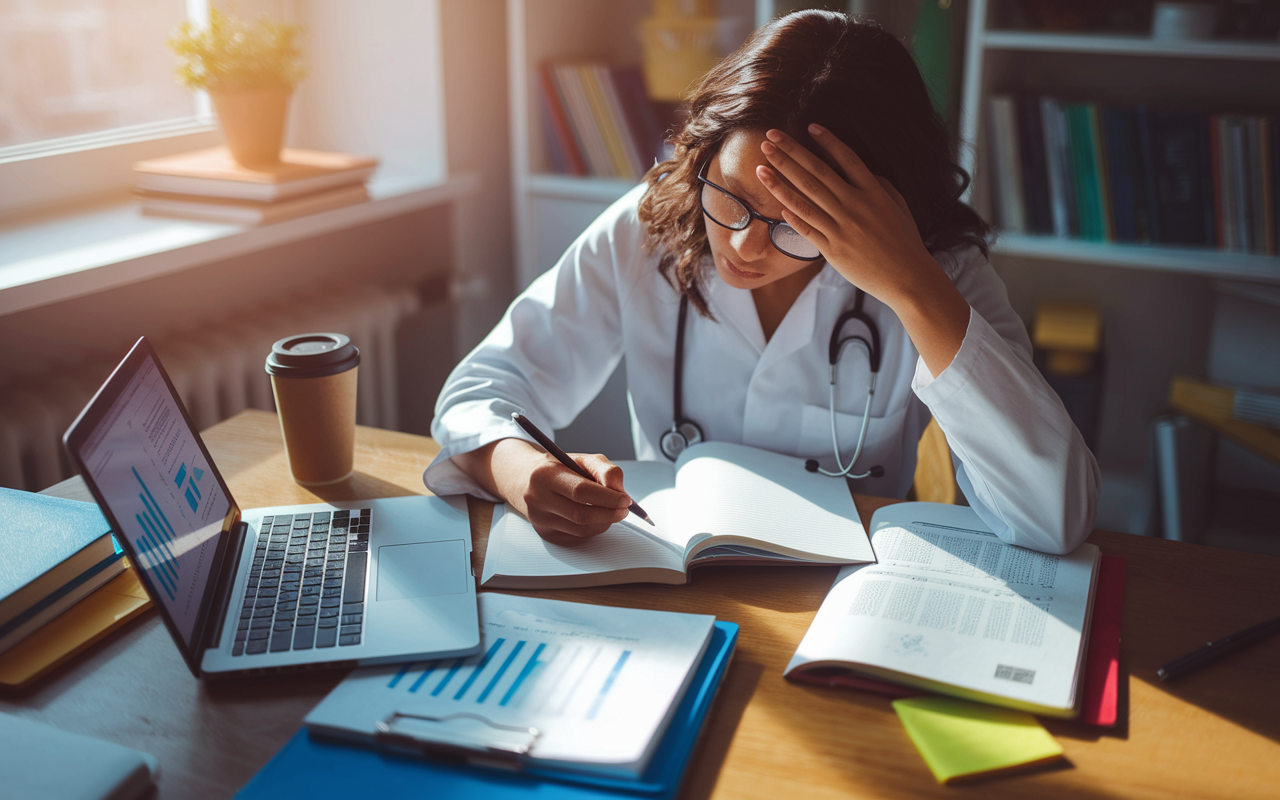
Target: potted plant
{"x":249,"y":71}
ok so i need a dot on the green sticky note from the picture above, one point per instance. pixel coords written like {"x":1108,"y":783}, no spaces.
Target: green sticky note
{"x":960,"y":739}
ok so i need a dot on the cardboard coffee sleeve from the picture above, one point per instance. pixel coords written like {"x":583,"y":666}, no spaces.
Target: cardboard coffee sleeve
{"x":313,"y":376}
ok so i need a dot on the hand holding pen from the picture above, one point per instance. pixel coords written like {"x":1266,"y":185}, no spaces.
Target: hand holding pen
{"x":564,"y":458}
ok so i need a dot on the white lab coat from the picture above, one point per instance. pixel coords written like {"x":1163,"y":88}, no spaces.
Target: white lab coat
{"x":1019,"y":459}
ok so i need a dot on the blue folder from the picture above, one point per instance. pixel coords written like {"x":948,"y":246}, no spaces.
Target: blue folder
{"x":317,"y":768}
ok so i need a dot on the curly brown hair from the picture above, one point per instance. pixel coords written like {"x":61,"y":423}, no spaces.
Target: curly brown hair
{"x":850,"y":76}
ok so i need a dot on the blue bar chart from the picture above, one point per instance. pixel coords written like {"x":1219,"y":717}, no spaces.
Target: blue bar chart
{"x":155,"y":543}
{"x":574,"y":680}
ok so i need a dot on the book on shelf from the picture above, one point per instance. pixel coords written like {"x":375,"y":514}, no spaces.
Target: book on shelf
{"x":598,"y":120}
{"x":1135,"y":174}
{"x":53,"y":553}
{"x":950,"y":608}
{"x":213,"y":173}
{"x":1035,"y":168}
{"x":719,"y":503}
{"x":249,"y":212}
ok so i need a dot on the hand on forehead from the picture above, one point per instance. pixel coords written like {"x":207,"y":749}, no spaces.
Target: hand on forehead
{"x":734,"y":168}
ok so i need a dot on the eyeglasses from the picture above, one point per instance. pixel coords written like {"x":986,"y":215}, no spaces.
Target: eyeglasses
{"x":727,"y":210}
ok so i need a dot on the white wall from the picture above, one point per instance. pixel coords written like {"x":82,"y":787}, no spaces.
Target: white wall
{"x":375,"y":82}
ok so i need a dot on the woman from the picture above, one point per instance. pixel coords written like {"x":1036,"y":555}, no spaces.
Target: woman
{"x":811,"y":179}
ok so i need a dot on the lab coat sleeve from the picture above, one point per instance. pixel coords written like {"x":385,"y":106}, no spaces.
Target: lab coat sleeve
{"x":1021,"y":461}
{"x":552,"y":352}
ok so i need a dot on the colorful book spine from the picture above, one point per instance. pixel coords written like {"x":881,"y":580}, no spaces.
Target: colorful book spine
{"x":642,"y":120}
{"x":1061,"y":193}
{"x":1099,"y":167}
{"x":593,"y":147}
{"x":1084,"y":172}
{"x":617,"y":122}
{"x":601,"y":122}
{"x":600,"y":118}
{"x":563,"y":138}
{"x":1035,"y":177}
{"x":1007,"y":165}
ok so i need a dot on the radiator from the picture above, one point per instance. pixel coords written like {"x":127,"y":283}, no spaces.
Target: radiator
{"x":217,"y":370}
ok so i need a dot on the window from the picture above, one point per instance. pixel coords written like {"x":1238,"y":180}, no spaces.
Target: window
{"x":85,"y":77}
{"x":75,"y":67}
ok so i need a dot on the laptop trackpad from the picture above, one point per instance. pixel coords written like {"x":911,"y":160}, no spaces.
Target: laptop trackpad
{"x":425,"y":569}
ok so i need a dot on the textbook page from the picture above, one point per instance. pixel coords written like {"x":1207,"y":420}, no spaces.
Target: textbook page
{"x":516,"y":550}
{"x":599,"y":684}
{"x":952,"y":608}
{"x":744,"y":495}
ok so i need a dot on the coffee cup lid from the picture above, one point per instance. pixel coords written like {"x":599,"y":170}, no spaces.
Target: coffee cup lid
{"x":312,"y":355}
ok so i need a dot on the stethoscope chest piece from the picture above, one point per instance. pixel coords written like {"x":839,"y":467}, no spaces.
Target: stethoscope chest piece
{"x":682,"y":435}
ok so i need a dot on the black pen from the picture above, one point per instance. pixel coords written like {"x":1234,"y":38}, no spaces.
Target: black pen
{"x":563,"y":458}
{"x":1212,"y":650}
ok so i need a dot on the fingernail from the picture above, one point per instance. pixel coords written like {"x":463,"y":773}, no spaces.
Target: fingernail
{"x":816,"y":130}
{"x":774,"y":136}
{"x":769,"y":148}
{"x":764,"y":173}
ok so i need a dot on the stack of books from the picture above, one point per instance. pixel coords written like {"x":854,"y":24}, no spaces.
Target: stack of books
{"x":210,"y":185}
{"x":599,"y":120}
{"x":1136,"y":174}
{"x":53,"y":553}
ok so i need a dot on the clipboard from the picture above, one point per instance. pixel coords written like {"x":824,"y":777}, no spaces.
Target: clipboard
{"x":320,"y":768}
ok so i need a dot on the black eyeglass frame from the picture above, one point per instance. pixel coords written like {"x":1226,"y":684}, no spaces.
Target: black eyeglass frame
{"x":752,"y":215}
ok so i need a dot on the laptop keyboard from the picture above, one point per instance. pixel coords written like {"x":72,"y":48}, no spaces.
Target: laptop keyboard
{"x":306,"y":586}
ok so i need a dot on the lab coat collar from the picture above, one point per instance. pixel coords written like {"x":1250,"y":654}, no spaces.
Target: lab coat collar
{"x":737,"y":308}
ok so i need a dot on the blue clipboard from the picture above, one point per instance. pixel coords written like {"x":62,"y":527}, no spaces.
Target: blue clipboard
{"x":319,"y":768}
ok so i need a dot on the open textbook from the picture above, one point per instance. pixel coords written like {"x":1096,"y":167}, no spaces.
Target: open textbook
{"x":952,"y":609}
{"x":719,"y":503}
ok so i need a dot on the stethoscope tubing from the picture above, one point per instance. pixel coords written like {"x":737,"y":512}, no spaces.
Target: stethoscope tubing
{"x":685,"y":432}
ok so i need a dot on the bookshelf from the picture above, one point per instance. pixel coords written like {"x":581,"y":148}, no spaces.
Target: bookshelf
{"x":1113,"y":68}
{"x":552,"y":209}
{"x":1161,"y":304}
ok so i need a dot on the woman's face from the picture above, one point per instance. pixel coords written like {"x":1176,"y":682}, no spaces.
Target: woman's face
{"x":746,"y":259}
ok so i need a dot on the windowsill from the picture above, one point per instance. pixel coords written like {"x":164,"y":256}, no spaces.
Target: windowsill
{"x":88,"y":249}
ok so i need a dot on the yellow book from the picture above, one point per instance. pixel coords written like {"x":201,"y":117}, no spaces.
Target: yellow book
{"x":603,"y":120}
{"x":74,"y":630}
{"x":960,"y":739}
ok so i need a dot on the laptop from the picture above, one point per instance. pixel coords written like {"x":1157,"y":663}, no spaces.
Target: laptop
{"x":242,"y":590}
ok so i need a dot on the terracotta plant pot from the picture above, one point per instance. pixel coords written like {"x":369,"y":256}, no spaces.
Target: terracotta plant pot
{"x":252,"y":122}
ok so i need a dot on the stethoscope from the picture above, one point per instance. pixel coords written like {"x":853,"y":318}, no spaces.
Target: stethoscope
{"x":685,"y":432}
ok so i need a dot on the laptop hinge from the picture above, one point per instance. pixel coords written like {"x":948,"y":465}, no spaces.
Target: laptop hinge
{"x":226,"y":582}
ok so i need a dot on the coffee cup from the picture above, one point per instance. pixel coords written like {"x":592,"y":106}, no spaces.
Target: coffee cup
{"x":313,"y":377}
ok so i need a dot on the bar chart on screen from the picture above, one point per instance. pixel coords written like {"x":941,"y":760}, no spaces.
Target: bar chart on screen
{"x":597,"y":683}
{"x":155,"y":544}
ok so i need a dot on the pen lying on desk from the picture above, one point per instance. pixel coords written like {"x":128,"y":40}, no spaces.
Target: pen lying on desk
{"x":1212,"y":650}
{"x":563,"y":458}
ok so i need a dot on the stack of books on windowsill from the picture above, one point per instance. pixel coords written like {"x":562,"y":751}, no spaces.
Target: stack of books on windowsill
{"x":210,"y":185}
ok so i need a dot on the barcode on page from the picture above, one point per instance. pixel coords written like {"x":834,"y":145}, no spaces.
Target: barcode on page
{"x":1017,"y":674}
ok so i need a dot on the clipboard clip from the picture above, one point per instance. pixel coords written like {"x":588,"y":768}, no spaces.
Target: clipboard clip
{"x":462,"y":735}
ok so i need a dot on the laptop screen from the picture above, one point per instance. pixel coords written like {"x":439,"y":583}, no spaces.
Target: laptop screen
{"x":150,"y":470}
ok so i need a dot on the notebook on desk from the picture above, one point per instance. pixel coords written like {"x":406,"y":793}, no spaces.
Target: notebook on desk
{"x":369,"y":582}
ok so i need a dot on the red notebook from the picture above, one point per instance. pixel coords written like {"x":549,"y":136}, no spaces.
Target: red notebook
{"x":1102,"y":658}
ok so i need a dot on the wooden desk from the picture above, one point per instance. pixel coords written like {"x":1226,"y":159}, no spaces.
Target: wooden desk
{"x":1214,"y":734}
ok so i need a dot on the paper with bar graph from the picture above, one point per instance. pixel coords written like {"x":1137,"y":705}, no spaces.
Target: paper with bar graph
{"x":598,"y":684}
